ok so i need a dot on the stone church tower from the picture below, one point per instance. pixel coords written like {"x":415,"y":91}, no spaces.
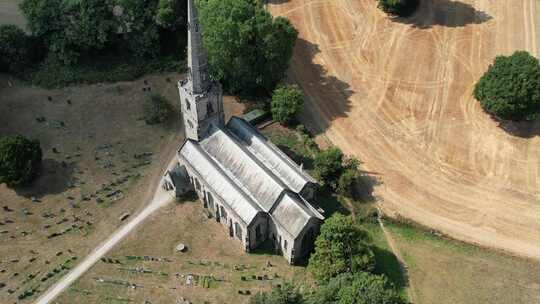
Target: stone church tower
{"x":201,"y":99}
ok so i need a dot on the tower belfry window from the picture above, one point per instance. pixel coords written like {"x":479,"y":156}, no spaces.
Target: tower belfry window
{"x":188,"y":105}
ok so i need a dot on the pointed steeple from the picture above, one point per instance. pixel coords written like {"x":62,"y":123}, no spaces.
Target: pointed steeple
{"x":197,"y":60}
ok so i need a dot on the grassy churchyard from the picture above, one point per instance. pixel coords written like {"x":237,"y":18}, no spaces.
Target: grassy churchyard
{"x":100,"y":160}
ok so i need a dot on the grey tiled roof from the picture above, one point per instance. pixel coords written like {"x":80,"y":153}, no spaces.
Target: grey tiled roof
{"x":199,"y":161}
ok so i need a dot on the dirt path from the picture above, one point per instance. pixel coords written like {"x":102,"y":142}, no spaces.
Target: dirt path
{"x":398,"y":94}
{"x":159,"y":199}
{"x":402,"y":265}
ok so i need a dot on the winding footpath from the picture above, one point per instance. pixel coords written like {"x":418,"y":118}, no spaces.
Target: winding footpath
{"x":159,"y":199}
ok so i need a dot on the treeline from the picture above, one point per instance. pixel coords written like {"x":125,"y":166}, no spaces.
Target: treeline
{"x":71,"y":33}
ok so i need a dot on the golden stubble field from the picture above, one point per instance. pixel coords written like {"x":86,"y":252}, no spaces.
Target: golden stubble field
{"x":398,"y":94}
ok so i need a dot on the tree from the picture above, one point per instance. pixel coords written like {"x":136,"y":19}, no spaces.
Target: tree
{"x":402,"y":8}
{"x":156,"y":109}
{"x":248,"y":50}
{"x":70,"y":28}
{"x":14,"y":49}
{"x":348,"y":178}
{"x":328,"y":166}
{"x":20,"y":159}
{"x":341,"y":247}
{"x":510,"y":88}
{"x":359,"y":288}
{"x":286,"y":294}
{"x":286,"y":102}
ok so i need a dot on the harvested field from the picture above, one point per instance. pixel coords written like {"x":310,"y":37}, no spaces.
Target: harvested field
{"x":397,"y":93}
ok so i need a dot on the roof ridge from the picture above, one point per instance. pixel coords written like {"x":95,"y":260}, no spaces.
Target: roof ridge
{"x":221,"y":170}
{"x":233,"y":138}
{"x":282,"y":155}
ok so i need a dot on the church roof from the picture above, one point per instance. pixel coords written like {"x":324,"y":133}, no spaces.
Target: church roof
{"x":251,"y":175}
{"x":235,"y":197}
{"x":240,"y":165}
{"x":292,"y":213}
{"x":271,"y":156}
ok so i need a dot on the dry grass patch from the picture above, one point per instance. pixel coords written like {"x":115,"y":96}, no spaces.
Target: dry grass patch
{"x":447,"y":271}
{"x":148,"y":259}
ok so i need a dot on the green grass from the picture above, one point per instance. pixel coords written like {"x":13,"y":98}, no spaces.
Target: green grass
{"x":444,"y":270}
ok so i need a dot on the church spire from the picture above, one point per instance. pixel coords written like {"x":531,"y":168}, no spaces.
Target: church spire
{"x":197,"y":60}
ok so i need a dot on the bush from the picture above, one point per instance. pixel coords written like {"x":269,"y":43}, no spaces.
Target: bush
{"x":286,"y":294}
{"x":248,"y":49}
{"x":510,"y":89}
{"x":360,"y":288}
{"x":156,"y":109}
{"x":341,"y":247}
{"x":20,"y":159}
{"x":328,"y":166}
{"x":286,"y":102}
{"x":402,"y":8}
{"x":347,"y":180}
{"x":14,"y":49}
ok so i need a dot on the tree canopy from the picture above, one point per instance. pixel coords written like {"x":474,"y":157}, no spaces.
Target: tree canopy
{"x":510,"y":88}
{"x":248,"y":49}
{"x":20,"y":159}
{"x":358,"y":288}
{"x":285,"y":294}
{"x":342,"y":247}
{"x":328,"y":165}
{"x":287,"y":100}
{"x":14,"y":49}
{"x":74,"y":29}
{"x":402,"y":8}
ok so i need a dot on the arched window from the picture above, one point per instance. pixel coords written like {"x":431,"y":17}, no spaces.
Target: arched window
{"x":223,"y":213}
{"x":190,"y":124}
{"x":210,"y":200}
{"x":188,"y":105}
{"x":238,"y":231}
{"x":197,"y":184}
{"x":209,"y":108}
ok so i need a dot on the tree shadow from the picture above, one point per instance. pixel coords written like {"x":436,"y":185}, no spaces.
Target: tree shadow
{"x":275,"y":1}
{"x":55,"y":177}
{"x":315,"y":79}
{"x":444,"y":13}
{"x":329,"y":202}
{"x":388,"y":264}
{"x":523,"y":129}
{"x":365,"y":185}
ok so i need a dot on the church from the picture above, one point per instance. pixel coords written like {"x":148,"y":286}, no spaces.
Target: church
{"x":243,"y":180}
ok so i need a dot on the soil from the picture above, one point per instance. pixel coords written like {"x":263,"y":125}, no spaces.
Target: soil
{"x":397,"y":93}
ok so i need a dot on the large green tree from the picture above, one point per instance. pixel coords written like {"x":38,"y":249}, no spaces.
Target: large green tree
{"x":328,"y":165}
{"x":287,"y":100}
{"x":359,"y":288}
{"x":341,"y":247}
{"x":510,"y":88}
{"x":20,"y":159}
{"x":14,"y":49}
{"x":248,"y":49}
{"x":402,"y":8}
